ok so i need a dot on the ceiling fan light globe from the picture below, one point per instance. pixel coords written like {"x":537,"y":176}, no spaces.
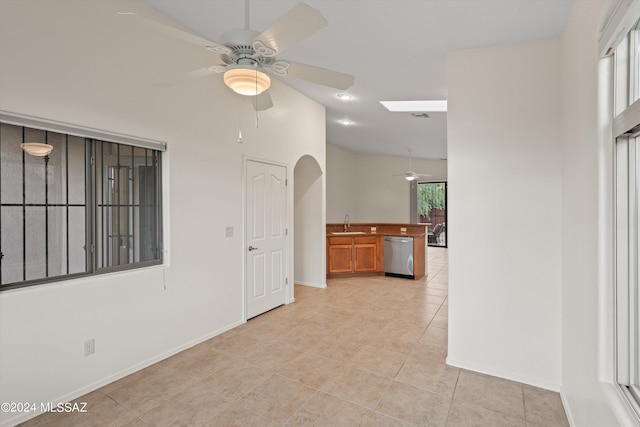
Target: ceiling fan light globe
{"x":246,"y":81}
{"x":410,"y":177}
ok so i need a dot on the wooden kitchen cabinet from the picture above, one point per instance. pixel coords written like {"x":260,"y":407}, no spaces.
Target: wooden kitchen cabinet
{"x":364,"y":254}
{"x":358,"y":254}
{"x":340,"y":254}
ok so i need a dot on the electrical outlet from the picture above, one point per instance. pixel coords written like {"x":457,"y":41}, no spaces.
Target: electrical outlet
{"x":90,"y":347}
{"x":373,"y":230}
{"x":403,"y":230}
{"x":229,"y":232}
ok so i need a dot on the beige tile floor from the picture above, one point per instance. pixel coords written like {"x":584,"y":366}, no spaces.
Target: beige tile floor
{"x":363,"y":351}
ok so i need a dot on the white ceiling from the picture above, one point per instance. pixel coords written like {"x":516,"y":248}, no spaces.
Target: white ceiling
{"x":396,"y":49}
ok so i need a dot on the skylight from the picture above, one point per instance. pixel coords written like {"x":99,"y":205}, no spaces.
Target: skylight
{"x":415,"y":106}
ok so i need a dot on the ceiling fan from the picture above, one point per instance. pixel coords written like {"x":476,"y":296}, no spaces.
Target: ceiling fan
{"x":410,"y":175}
{"x":247,"y":57}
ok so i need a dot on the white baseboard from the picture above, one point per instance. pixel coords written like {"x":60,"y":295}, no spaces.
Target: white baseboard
{"x":567,"y":408}
{"x":313,"y":285}
{"x":22,"y":417}
{"x":618,"y":408}
{"x":503,"y":374}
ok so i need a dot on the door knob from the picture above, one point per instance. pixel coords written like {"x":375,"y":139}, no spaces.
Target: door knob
{"x":251,"y":248}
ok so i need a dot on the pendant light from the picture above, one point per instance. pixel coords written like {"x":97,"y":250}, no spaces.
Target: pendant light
{"x":36,"y":149}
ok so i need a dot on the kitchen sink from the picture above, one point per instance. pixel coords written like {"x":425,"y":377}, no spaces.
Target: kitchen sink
{"x":345,"y":233}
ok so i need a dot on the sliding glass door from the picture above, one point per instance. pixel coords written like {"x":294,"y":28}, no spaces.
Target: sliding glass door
{"x":432,"y":210}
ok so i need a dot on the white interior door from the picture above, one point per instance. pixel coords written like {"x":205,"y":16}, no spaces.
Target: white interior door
{"x":266,"y":237}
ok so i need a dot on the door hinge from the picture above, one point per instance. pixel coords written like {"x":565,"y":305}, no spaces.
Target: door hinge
{"x":286,"y":231}
{"x":286,"y":182}
{"x":93,"y":247}
{"x":93,"y":160}
{"x":286,"y":280}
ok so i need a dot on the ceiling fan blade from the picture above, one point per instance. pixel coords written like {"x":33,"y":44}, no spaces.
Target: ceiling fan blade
{"x":176,"y":33}
{"x":297,"y":24}
{"x":191,"y":75}
{"x":318,"y":75}
{"x":262,"y":102}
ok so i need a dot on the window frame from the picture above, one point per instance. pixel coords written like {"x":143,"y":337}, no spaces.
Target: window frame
{"x":625,"y":134}
{"x":99,"y":266}
{"x":91,"y":139}
{"x":626,"y":267}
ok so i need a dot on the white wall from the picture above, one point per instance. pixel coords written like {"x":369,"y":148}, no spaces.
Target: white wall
{"x":75,"y":62}
{"x":364,"y":188}
{"x":341,"y":184}
{"x":504,"y":140}
{"x":587,"y":389}
{"x":310,"y":230}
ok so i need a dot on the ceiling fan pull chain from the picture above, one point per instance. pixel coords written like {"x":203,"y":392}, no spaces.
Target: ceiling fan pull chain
{"x":246,"y":14}
{"x":240,"y":120}
{"x":256,"y":97}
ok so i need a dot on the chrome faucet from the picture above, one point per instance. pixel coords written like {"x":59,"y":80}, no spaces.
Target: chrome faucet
{"x":347,"y":224}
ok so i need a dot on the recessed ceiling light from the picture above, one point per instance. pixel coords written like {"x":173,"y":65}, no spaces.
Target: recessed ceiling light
{"x":415,"y":106}
{"x":345,"y":122}
{"x":344,"y":97}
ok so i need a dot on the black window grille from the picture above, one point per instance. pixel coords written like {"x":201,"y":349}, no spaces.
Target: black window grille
{"x":88,"y":207}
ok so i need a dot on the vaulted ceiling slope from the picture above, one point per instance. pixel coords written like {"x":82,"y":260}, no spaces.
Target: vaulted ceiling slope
{"x":396,"y":49}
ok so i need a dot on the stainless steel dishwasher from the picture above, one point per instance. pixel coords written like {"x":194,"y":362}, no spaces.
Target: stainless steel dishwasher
{"x":398,"y":256}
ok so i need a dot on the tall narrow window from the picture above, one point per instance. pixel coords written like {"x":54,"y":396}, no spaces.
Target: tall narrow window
{"x":626,"y":131}
{"x":88,"y":206}
{"x":627,"y":238}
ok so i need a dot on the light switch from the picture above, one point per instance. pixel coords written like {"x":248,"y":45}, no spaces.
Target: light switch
{"x":229,"y":232}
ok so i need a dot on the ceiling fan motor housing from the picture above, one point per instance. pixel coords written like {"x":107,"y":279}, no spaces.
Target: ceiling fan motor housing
{"x":241,"y":41}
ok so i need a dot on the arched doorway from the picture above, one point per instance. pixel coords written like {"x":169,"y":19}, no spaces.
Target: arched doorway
{"x":309,"y":219}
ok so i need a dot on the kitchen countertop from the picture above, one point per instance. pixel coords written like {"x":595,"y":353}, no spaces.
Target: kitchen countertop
{"x":382,"y":229}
